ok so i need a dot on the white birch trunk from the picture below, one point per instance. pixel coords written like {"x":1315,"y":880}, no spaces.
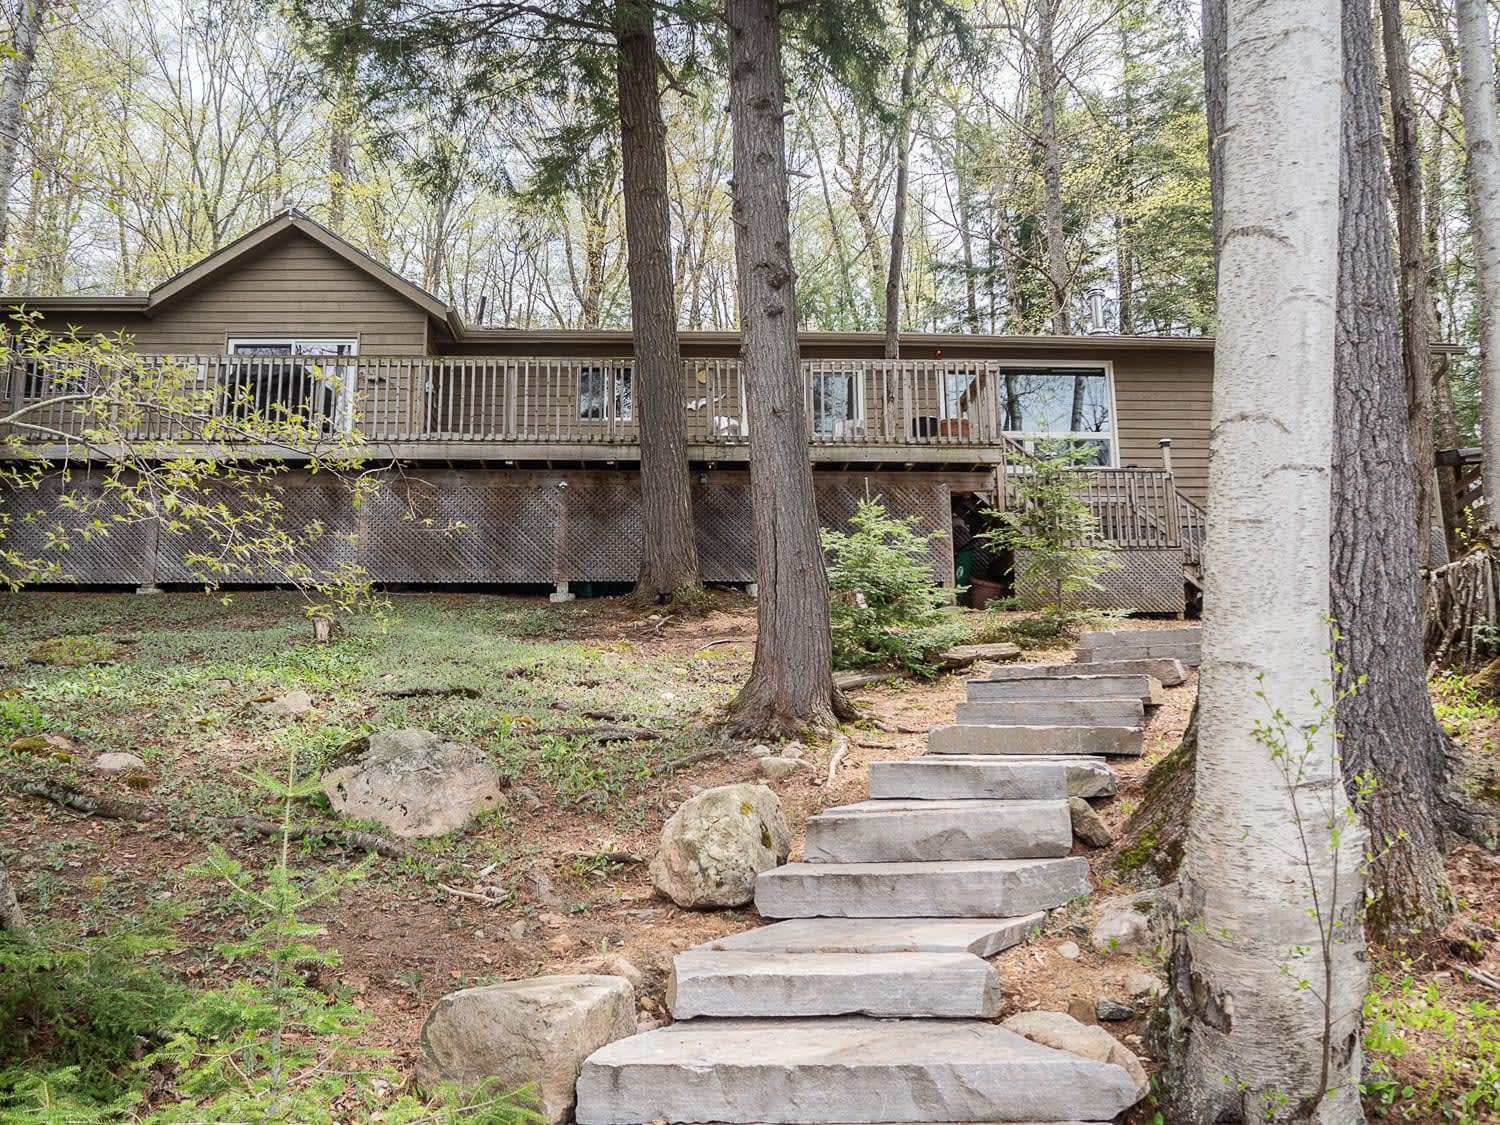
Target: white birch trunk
{"x":1252,"y":1043}
{"x":1476,"y":62}
{"x":13,"y":100}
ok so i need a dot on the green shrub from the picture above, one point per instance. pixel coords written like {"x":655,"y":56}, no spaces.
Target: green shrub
{"x":886,"y":607}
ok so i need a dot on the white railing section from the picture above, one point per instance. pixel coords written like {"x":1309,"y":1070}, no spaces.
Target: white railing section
{"x":534,"y":400}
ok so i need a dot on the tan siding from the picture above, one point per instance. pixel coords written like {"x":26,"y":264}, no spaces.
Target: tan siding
{"x":295,"y":287}
{"x":1166,"y":395}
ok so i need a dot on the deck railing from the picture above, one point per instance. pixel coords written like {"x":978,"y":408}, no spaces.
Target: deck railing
{"x":1137,"y":509}
{"x":486,"y":399}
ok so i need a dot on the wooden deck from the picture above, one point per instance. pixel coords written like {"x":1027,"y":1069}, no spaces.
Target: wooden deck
{"x":488,"y":409}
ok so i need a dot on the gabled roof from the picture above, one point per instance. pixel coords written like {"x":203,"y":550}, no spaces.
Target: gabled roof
{"x":292,"y":220}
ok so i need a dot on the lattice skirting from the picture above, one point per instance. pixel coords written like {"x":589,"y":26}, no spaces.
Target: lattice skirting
{"x":467,"y":526}
{"x":1144,"y":581}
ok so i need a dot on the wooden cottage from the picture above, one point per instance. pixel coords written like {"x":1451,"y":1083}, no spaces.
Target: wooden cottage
{"x":528,"y":438}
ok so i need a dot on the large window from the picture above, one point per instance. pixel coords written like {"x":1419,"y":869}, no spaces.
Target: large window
{"x":285,"y":377}
{"x":1072,"y":404}
{"x":605,"y":393}
{"x":838,"y":404}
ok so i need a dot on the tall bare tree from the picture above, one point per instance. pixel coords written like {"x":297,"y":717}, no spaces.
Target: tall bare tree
{"x":791,"y":682}
{"x":1395,"y":755}
{"x":1266,"y":993}
{"x":1476,"y":56}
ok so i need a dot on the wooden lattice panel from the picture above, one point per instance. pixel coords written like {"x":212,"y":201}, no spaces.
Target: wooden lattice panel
{"x":1144,"y":581}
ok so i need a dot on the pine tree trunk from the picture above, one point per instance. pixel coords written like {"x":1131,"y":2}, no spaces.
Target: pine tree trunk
{"x":1250,"y":1043}
{"x":1052,"y":200}
{"x":669,"y":548}
{"x":12,"y":917}
{"x":1416,"y":301}
{"x":903,"y":181}
{"x":791,"y":683}
{"x":1389,"y":733}
{"x":12,"y":102}
{"x":1476,"y":56}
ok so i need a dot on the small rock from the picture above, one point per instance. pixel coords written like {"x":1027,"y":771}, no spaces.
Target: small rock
{"x":544,"y":890}
{"x":292,"y":704}
{"x":615,"y":965}
{"x":517,"y":930}
{"x":528,"y":1031}
{"x":1081,"y":1010}
{"x":413,"y":782}
{"x":1145,"y":984}
{"x":793,"y":750}
{"x":1070,"y":950}
{"x":1062,"y":1032}
{"x":117,"y":761}
{"x":774,"y":768}
{"x":1133,"y":923}
{"x":1107,"y":1010}
{"x":46,"y":746}
{"x":761,"y":750}
{"x":1087,"y":825}
{"x":526,"y":798}
{"x":714,"y":846}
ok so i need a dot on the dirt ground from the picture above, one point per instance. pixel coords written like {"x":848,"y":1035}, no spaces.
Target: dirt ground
{"x":404,"y":941}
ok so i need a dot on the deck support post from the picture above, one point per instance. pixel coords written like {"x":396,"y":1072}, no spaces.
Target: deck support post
{"x":561,"y":594}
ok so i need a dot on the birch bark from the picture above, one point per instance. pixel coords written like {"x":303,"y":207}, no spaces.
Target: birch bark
{"x":1270,"y":886}
{"x":1476,"y":67}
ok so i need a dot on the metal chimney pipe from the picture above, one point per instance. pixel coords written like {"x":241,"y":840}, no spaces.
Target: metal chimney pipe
{"x":1096,"y":313}
{"x":1166,"y":454}
{"x":484,"y":303}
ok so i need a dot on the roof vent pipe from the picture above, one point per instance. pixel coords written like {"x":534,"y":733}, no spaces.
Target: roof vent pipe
{"x":484,"y":304}
{"x":1096,"y":313}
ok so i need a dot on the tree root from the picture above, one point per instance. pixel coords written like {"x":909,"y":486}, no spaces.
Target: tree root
{"x":89,"y":804}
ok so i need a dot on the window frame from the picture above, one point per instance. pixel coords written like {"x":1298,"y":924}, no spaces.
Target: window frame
{"x":343,"y":419}
{"x":857,"y":418}
{"x":1027,"y":438}
{"x":619,"y":375}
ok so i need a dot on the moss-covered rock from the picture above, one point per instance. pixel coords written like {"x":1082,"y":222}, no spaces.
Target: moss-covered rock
{"x":75,"y":651}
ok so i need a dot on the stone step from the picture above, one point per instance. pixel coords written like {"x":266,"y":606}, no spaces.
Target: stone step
{"x":1174,"y":644}
{"x":852,"y":1069}
{"x":948,"y":777}
{"x":1054,"y":712}
{"x":1145,"y":688}
{"x":887,"y":985}
{"x":893,"y":831}
{"x":973,"y":888}
{"x":983,"y":937}
{"x":1050,"y":741}
{"x":934,"y":778}
{"x":1167,"y":671}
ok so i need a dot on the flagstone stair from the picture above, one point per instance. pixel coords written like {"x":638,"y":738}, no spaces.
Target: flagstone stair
{"x":872,"y":1001}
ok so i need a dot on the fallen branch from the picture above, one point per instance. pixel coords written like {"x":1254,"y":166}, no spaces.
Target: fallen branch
{"x":89,"y":804}
{"x":475,"y":896}
{"x":723,"y":641}
{"x":624,"y":859}
{"x":690,"y":759}
{"x":607,"y":734}
{"x":429,"y":692}
{"x":1477,"y":976}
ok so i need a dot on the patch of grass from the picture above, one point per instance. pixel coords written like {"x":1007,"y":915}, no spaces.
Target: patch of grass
{"x":1430,"y":1057}
{"x":1459,"y":704}
{"x":75,"y":652}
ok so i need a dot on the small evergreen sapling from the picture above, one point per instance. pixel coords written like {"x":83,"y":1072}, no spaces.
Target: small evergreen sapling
{"x":886,"y":606}
{"x":1051,"y":530}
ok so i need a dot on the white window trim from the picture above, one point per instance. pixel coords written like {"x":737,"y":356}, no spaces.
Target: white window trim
{"x":1107,"y":366}
{"x":344,"y":420}
{"x":860,"y":420}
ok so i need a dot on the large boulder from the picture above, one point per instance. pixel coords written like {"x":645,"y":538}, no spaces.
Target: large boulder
{"x":1063,"y":1033}
{"x":715,"y":845}
{"x":535,"y":1031}
{"x":413,"y":782}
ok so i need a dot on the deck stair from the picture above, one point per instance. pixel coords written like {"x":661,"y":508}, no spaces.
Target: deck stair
{"x":872,"y":1001}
